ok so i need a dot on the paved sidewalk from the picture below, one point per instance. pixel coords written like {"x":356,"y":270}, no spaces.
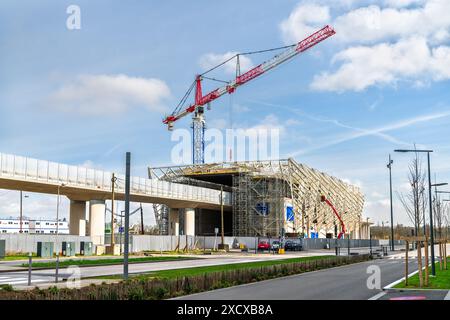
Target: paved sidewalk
{"x":416,"y":295}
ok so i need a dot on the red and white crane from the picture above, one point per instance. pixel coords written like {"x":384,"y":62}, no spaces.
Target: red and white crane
{"x":197,"y":107}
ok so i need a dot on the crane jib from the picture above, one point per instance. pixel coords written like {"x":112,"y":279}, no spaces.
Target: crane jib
{"x":301,"y":46}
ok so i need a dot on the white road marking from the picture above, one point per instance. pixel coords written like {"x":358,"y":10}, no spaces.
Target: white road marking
{"x":7,"y":280}
{"x":447,"y":297}
{"x":400,"y":280}
{"x":19,"y":280}
{"x":378,"y":296}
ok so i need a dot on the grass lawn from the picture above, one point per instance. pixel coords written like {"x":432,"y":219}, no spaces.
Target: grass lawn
{"x":441,"y":281}
{"x":17,"y":257}
{"x":174,"y":273}
{"x":91,"y":262}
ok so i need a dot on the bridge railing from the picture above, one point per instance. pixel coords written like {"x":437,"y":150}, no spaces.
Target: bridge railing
{"x":30,"y":169}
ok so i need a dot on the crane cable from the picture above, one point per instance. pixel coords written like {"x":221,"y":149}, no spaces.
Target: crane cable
{"x":246,"y":54}
{"x":188,"y":92}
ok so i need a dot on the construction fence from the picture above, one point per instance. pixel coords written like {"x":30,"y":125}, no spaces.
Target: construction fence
{"x":25,"y":243}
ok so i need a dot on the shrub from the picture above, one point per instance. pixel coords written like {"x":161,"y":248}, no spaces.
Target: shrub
{"x":7,"y":287}
{"x":136,"y":293}
{"x":53,"y":290}
{"x":160,"y":293}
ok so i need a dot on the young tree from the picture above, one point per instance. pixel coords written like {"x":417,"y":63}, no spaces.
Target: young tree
{"x":440,"y":212}
{"x":415,"y":200}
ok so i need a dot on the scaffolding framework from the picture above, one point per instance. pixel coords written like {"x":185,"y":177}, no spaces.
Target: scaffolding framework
{"x":266,"y":184}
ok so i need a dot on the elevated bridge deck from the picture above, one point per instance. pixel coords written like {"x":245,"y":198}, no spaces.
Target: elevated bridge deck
{"x":84,"y":184}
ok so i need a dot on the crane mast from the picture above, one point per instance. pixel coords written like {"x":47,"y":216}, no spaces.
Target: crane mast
{"x":197,"y":108}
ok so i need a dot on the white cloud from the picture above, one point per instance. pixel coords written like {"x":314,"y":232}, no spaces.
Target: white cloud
{"x":109,"y":94}
{"x":356,"y":183}
{"x":268,"y":123}
{"x":35,"y":205}
{"x":372,"y":23}
{"x":385,"y":64}
{"x":403,"y":3}
{"x":304,"y":20}
{"x":210,"y":60}
{"x":404,"y":39}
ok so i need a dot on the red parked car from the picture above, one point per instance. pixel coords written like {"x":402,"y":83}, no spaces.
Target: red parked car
{"x":263,"y":245}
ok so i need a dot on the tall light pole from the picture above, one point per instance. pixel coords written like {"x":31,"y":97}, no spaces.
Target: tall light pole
{"x":127,"y":214}
{"x":57,"y":232}
{"x":222,"y":232}
{"x":113,"y":184}
{"x":433,"y":267}
{"x":389,"y":165}
{"x":21,"y":211}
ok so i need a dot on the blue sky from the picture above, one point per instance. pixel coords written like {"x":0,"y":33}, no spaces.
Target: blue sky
{"x":87,"y":96}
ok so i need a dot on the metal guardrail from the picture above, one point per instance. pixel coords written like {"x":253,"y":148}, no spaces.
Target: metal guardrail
{"x":43,"y":171}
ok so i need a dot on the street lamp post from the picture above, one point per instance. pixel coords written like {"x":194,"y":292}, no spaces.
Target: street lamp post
{"x":57,"y":232}
{"x":389,"y":165}
{"x":21,"y":211}
{"x":433,"y":268}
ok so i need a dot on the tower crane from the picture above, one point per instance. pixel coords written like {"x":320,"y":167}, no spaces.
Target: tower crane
{"x":197,"y":107}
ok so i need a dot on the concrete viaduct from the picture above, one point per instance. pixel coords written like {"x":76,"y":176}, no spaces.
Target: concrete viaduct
{"x":81,"y":185}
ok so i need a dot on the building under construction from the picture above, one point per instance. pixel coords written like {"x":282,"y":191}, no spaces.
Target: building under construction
{"x":269,"y":198}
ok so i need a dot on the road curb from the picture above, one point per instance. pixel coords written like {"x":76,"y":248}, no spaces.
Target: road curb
{"x":391,"y":285}
{"x":20,"y":268}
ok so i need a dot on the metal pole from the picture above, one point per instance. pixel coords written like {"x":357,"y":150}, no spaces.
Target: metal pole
{"x":433,"y":269}
{"x":127,"y":215}
{"x":56,"y":237}
{"x":348,"y":244}
{"x":336,"y":241}
{"x":221,"y":216}
{"x":437,"y":204}
{"x":392,"y":208}
{"x":142,"y":220}
{"x":121,"y":232}
{"x":30,"y":261}
{"x":113,"y":182}
{"x":20,"y":220}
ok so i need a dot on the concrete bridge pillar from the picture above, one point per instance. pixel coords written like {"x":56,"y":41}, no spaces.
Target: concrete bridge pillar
{"x":97,"y":221}
{"x":174,"y":222}
{"x":189,"y":222}
{"x":77,"y":218}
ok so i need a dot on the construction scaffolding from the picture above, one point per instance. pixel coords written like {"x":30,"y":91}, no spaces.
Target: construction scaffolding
{"x":261,"y":190}
{"x":258,"y":204}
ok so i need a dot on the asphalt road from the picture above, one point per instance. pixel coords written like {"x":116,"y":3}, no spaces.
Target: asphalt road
{"x":341,"y":283}
{"x":19,"y":278}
